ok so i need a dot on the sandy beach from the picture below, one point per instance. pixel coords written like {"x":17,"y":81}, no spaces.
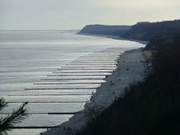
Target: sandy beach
{"x":130,"y":69}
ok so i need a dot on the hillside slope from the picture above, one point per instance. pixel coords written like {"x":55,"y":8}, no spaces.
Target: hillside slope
{"x":151,"y":107}
{"x":148,"y":31}
{"x":113,"y":30}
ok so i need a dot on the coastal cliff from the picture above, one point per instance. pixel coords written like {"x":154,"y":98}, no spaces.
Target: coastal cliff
{"x":150,"y":107}
{"x":150,"y":32}
{"x":142,"y":95}
{"x":113,"y":30}
{"x":130,"y":69}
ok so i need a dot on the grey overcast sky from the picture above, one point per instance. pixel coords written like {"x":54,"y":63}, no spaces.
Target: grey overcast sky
{"x":74,"y":14}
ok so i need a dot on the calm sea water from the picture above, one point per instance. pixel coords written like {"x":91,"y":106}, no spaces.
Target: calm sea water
{"x":55,"y":71}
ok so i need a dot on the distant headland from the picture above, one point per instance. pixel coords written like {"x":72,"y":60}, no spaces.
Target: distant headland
{"x":141,"y":31}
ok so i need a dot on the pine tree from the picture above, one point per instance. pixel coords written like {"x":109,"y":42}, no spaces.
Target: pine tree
{"x":8,"y":122}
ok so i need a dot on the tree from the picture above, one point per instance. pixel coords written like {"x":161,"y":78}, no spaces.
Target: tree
{"x":7,"y":122}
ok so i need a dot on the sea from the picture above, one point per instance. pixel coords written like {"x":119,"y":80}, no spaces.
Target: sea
{"x":55,"y":71}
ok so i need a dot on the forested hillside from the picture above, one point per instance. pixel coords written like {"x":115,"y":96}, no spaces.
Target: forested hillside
{"x":151,"y":107}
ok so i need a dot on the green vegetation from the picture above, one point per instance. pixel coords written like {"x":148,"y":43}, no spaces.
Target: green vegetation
{"x":7,"y":122}
{"x":151,"y":107}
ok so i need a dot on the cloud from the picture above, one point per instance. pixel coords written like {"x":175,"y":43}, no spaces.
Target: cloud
{"x":149,"y":4}
{"x":64,"y":14}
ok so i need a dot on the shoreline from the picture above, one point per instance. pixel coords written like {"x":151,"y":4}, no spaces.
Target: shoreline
{"x":115,"y":38}
{"x":130,"y":69}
